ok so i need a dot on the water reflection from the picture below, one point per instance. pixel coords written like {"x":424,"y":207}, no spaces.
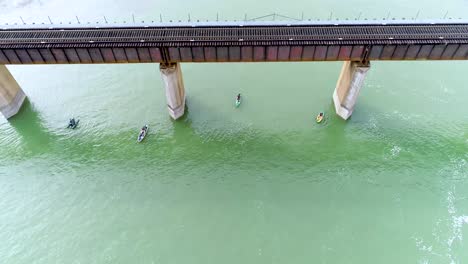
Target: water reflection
{"x":29,"y":126}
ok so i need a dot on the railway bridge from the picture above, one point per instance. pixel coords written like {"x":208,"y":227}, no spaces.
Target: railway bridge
{"x":356,"y":43}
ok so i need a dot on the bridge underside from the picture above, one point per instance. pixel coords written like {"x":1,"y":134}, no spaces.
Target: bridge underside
{"x":242,"y":43}
{"x":257,"y":53}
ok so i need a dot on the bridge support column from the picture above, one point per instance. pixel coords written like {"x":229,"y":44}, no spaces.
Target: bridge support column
{"x":348,"y":86}
{"x":11,"y":94}
{"x":175,"y":92}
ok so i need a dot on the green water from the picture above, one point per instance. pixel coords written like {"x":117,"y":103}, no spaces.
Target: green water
{"x":262,"y":183}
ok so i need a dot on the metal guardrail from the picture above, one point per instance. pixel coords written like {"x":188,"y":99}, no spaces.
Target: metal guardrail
{"x":190,"y":20}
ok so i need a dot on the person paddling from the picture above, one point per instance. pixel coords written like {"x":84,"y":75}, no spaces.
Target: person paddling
{"x":143,"y":131}
{"x":319,"y":117}
{"x":72,"y":122}
{"x":238,"y":100}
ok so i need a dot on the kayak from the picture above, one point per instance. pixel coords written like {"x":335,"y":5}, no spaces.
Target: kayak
{"x":319,"y":118}
{"x":142,"y":136}
{"x":238,"y":102}
{"x":75,"y":125}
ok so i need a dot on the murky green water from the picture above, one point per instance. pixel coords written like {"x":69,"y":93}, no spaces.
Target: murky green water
{"x":259,"y":184}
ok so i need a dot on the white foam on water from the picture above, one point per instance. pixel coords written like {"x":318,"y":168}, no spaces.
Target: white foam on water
{"x":395,"y":151}
{"x":465,"y":219}
{"x":372,"y":123}
{"x":421,"y":246}
{"x":445,"y":240}
{"x":457,"y":222}
{"x":446,"y":89}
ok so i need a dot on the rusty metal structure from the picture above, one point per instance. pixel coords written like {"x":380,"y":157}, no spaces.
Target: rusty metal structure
{"x":246,"y":42}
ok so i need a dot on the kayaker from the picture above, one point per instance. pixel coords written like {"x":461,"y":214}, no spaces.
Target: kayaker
{"x":238,"y":97}
{"x":319,"y":117}
{"x":72,"y":122}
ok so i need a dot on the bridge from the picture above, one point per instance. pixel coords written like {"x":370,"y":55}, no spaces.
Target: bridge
{"x":169,"y":44}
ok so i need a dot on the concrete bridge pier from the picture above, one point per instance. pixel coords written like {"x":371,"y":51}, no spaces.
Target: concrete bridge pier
{"x":174,"y":85}
{"x":348,"y":86}
{"x":11,"y":94}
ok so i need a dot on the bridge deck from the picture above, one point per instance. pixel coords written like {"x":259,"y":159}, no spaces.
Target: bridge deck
{"x":201,"y":38}
{"x":194,"y":36}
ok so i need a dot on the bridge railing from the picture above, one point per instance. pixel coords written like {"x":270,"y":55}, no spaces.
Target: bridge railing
{"x":271,"y":18}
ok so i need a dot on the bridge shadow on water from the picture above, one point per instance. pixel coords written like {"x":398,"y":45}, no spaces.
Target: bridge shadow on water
{"x":28,"y":124}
